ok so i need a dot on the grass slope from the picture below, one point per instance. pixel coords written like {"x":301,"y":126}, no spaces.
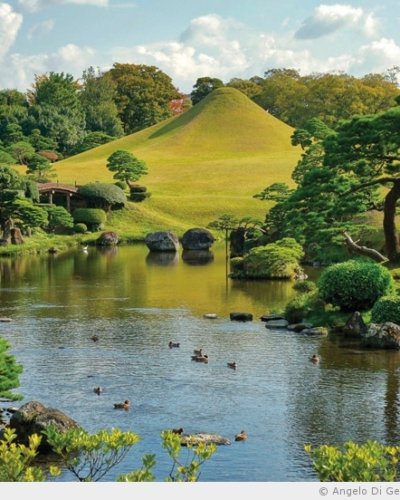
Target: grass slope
{"x":207,"y":162}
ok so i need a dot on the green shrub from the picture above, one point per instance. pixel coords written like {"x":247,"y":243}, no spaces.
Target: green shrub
{"x":138,"y":189}
{"x":121,"y":184}
{"x":236,"y":265}
{"x":139,"y":197}
{"x":369,"y":462}
{"x":302,"y":307}
{"x":102,"y":195}
{"x":279,"y":260}
{"x":386,"y":309}
{"x":80,"y":228}
{"x":355,"y":285}
{"x":89,"y":215}
{"x":304,"y":286}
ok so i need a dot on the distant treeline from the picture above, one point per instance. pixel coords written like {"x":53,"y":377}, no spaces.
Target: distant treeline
{"x":67,"y":116}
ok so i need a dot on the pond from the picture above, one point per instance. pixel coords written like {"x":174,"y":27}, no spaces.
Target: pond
{"x":137,"y":302}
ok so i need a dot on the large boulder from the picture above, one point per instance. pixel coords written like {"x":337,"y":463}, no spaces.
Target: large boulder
{"x":107,"y":238}
{"x":204,"y":437}
{"x":34,"y":417}
{"x":241,"y":316}
{"x":197,"y":239}
{"x":385,"y":336}
{"x":162,"y":241}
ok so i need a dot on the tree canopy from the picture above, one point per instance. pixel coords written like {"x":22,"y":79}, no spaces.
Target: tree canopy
{"x":126,"y":166}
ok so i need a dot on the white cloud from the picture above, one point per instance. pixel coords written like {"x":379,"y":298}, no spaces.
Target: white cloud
{"x":383,"y":53}
{"x":328,"y":19}
{"x":35,"y":5}
{"x":41,"y":29}
{"x":10,"y":23}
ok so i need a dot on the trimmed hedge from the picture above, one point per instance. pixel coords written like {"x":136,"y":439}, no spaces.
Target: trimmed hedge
{"x":386,"y":309}
{"x":80,"y":228}
{"x":355,"y":285}
{"x":89,"y":215}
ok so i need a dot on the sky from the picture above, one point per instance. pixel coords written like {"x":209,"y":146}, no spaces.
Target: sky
{"x":187,"y":40}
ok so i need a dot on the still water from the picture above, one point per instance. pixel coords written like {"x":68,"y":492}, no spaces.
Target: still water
{"x":136,"y":303}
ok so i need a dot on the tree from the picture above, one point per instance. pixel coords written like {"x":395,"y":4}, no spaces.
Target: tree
{"x":22,"y":151}
{"x":126,"y":166}
{"x":248,"y":87}
{"x":97,"y":98}
{"x":144,"y":94}
{"x":92,"y":140}
{"x":40,"y":168}
{"x":203,"y":87}
{"x":59,"y":219}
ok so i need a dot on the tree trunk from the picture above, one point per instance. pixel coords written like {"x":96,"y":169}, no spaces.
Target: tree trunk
{"x":368,"y":252}
{"x":389,"y":223}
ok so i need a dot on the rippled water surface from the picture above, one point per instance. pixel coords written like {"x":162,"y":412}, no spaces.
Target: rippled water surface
{"x":136,"y":303}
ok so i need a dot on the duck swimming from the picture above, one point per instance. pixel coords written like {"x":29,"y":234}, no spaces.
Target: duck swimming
{"x":201,"y":359}
{"x":233,"y":365}
{"x":242,"y":436}
{"x":98,"y":390}
{"x":173,"y":344}
{"x":95,"y":338}
{"x":125,"y":405}
{"x":198,"y":352}
{"x":314,"y":358}
{"x":178,"y":431}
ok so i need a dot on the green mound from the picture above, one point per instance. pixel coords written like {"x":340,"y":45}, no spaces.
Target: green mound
{"x":209,"y":161}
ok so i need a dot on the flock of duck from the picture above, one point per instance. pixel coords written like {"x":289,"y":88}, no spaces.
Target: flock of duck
{"x":200,"y":357}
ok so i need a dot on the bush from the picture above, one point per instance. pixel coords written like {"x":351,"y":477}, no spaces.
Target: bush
{"x":278,"y":260}
{"x":80,"y":228}
{"x":121,"y":184}
{"x":139,"y":197}
{"x":102,"y":195}
{"x":302,"y":306}
{"x":89,"y":215}
{"x":305,"y":286}
{"x":355,"y":285}
{"x":386,"y":309}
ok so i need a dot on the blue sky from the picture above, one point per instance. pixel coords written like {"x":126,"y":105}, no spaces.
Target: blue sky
{"x":187,"y":40}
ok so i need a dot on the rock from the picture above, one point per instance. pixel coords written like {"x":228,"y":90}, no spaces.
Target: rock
{"x":53,"y":250}
{"x":385,"y":336}
{"x":318,"y":331}
{"x":107,"y":238}
{"x":241,"y":316}
{"x":34,"y":417}
{"x":162,"y":241}
{"x":197,"y":239}
{"x":276,"y":323}
{"x":299,"y":327}
{"x":210,"y":316}
{"x":355,"y":326}
{"x":269,"y":317}
{"x":5,"y":320}
{"x":16,"y":236}
{"x":206,"y":438}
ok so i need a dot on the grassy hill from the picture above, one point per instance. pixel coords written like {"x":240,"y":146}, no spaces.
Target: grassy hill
{"x":202,"y":164}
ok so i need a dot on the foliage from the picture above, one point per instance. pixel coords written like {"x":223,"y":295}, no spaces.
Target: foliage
{"x":21,"y":151}
{"x":92,"y":140}
{"x":9,"y":372}
{"x":203,"y":87}
{"x":59,"y":218}
{"x":89,"y":457}
{"x":16,"y":460}
{"x":89,"y":215}
{"x":26,"y":215}
{"x":386,"y":309}
{"x":126,"y":166}
{"x":143,"y":95}
{"x":299,"y":308}
{"x":369,"y":462}
{"x":304,"y":286}
{"x":80,"y":228}
{"x":40,"y":168}
{"x":197,"y":454}
{"x":278,"y":260}
{"x":355,"y":285}
{"x":102,"y":195}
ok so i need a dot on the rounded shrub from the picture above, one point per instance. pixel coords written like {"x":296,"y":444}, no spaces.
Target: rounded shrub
{"x":80,"y":228}
{"x":386,"y":309}
{"x":355,"y":285}
{"x":89,"y":215}
{"x":121,"y":184}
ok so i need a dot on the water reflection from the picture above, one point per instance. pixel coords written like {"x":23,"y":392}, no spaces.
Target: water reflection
{"x":197,"y":257}
{"x":162,"y":258}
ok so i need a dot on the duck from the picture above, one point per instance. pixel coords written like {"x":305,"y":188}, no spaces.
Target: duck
{"x":85,"y":249}
{"x":198,"y":352}
{"x":174,"y":344}
{"x":125,"y":405}
{"x":314,"y":358}
{"x":242,"y":436}
{"x":178,"y":431}
{"x":98,"y":390}
{"x":95,"y":338}
{"x":201,"y":359}
{"x":233,"y":365}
